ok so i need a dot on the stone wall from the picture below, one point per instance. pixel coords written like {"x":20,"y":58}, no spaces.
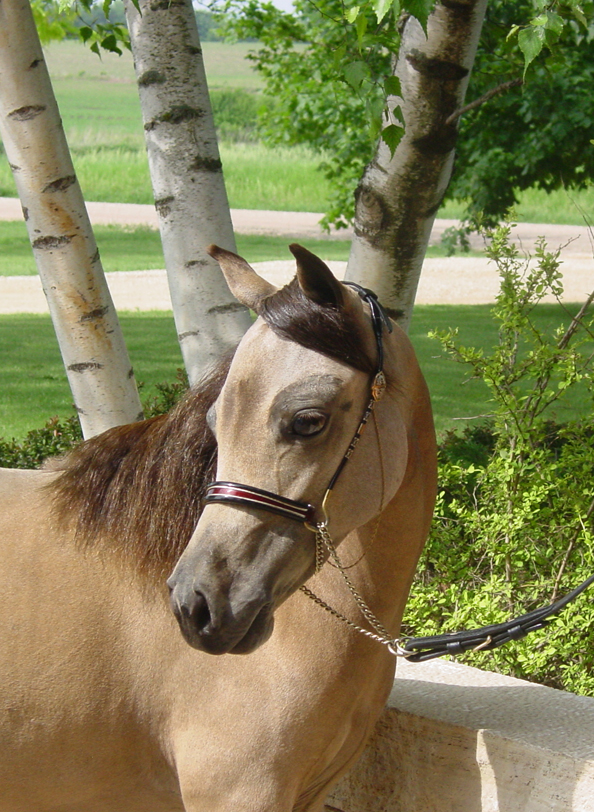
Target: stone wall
{"x":456,"y":739}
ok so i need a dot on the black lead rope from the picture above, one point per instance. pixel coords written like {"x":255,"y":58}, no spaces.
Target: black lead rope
{"x":487,"y":637}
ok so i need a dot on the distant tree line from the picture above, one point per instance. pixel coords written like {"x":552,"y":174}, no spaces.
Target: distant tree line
{"x":206,"y":22}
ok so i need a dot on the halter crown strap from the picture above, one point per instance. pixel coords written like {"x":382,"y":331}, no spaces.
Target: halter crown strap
{"x":379,"y":318}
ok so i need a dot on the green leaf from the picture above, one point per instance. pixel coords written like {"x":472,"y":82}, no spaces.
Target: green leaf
{"x":391,"y":136}
{"x":361,"y":27}
{"x":338,"y":57}
{"x":512,"y":31}
{"x":554,"y":23}
{"x":381,"y":8}
{"x":375,"y":109}
{"x":351,"y":14}
{"x":531,"y":41}
{"x":421,"y":9}
{"x":355,"y":73}
{"x":540,"y":20}
{"x":392,"y":86}
{"x":110,"y":43}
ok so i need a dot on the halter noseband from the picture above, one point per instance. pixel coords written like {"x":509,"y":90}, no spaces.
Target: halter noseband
{"x":248,"y":496}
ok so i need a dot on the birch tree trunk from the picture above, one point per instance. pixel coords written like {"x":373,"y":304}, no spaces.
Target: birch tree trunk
{"x":187,"y":177}
{"x":81,"y":308}
{"x":398,"y":198}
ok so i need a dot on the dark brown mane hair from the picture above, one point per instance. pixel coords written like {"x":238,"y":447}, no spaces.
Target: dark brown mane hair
{"x":138,"y":489}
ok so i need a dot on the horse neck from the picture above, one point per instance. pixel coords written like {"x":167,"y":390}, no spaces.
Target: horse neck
{"x":388,"y":547}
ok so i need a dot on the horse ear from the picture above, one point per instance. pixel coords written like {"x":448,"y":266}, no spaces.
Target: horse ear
{"x":244,"y":283}
{"x":316,"y":280}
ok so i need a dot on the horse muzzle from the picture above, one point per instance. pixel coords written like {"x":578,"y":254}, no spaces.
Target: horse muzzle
{"x":214,"y":626}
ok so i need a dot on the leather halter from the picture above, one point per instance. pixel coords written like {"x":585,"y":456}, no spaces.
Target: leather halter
{"x":248,"y":496}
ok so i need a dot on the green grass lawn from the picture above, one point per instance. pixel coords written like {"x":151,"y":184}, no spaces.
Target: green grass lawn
{"x":33,"y":385}
{"x":138,"y":248}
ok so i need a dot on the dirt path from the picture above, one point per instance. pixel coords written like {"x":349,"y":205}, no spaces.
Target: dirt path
{"x":452,"y":280}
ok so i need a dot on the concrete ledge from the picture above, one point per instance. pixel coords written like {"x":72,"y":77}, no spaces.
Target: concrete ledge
{"x":456,"y":739}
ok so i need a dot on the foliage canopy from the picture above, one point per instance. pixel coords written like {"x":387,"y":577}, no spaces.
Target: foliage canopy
{"x":329,"y":71}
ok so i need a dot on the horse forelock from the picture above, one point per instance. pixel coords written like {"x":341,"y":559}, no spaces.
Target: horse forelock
{"x":137,"y":489}
{"x":329,"y":330}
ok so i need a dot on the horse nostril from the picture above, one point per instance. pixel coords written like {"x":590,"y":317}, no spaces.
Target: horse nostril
{"x":199,"y":612}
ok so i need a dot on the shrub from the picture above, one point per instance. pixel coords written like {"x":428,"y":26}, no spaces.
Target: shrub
{"x":236,"y":114}
{"x":57,"y":437}
{"x":513,"y":528}
{"x":54,"y":439}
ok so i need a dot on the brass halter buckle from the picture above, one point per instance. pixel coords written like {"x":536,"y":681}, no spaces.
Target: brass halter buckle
{"x":378,"y":386}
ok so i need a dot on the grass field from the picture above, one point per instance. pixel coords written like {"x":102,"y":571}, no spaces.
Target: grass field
{"x":256,"y":176}
{"x":138,"y":248}
{"x":225,"y":63}
{"x":33,"y":386}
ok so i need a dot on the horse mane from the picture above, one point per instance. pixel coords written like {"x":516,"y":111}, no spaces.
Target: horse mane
{"x":137,"y":489}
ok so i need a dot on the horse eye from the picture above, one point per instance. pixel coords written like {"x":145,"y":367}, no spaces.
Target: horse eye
{"x":308,"y":423}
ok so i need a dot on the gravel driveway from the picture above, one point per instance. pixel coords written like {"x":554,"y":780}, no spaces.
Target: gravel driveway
{"x":451,"y":280}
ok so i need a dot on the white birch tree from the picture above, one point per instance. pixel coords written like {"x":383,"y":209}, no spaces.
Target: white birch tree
{"x":86,"y":324}
{"x":399,"y":194}
{"x":187,"y":177}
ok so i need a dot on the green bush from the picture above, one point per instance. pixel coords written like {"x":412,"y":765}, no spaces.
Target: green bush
{"x":54,"y":439}
{"x":513,"y":528}
{"x":236,"y":114}
{"x":57,"y":437}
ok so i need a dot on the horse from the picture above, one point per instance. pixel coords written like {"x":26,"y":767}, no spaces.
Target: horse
{"x":168,"y":646}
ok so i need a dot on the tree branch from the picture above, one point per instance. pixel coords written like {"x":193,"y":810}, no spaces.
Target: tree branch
{"x":482,"y":99}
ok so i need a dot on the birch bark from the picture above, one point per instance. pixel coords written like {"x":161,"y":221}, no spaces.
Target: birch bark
{"x":187,"y":177}
{"x":91,"y":343}
{"x":398,"y":197}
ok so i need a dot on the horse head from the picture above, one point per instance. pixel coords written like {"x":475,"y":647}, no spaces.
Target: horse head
{"x":293,"y":399}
